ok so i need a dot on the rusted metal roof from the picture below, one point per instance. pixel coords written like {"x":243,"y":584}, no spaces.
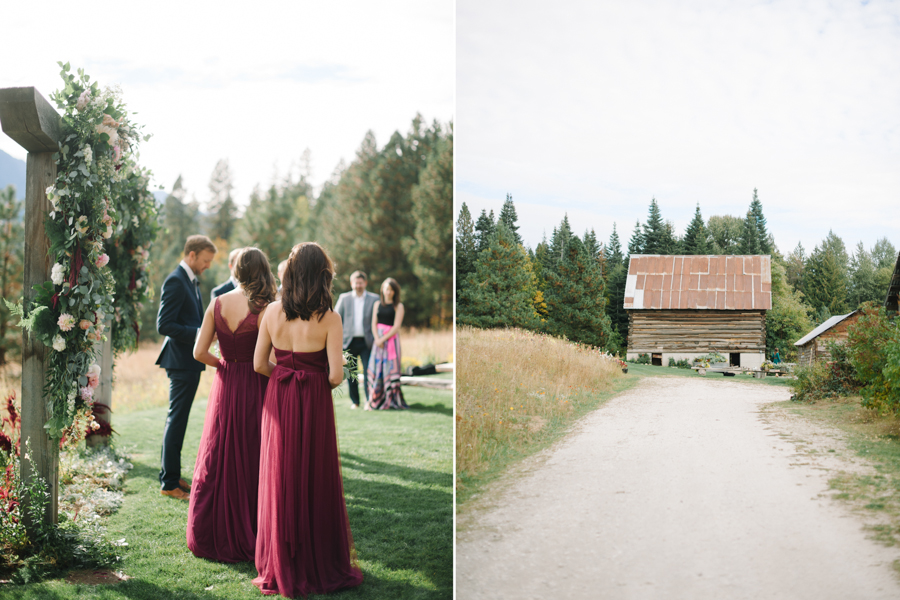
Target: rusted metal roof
{"x":699,"y":282}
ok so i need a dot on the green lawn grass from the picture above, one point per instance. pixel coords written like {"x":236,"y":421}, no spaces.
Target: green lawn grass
{"x":398,"y":478}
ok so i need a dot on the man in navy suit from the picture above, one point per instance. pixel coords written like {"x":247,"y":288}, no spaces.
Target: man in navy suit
{"x":179,"y":319}
{"x":355,"y":308}
{"x":232,"y":282}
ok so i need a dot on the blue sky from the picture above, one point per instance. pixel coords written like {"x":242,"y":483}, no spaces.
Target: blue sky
{"x":256,"y":85}
{"x":592,"y":109}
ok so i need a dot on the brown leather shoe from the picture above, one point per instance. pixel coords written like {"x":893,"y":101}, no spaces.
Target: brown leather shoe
{"x":176,"y":493}
{"x":184,"y":485}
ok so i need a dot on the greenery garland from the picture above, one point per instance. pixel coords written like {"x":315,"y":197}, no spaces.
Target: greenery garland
{"x":129,"y":252}
{"x":69,"y":312}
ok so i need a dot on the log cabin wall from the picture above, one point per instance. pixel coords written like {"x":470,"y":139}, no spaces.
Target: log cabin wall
{"x":817,"y":348}
{"x":700,"y":331}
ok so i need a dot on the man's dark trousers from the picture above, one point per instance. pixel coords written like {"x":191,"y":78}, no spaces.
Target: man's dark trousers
{"x":361,"y":351}
{"x":182,"y":389}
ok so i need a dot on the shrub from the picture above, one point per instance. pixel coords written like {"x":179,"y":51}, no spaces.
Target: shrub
{"x":671,"y":362}
{"x":642,"y":359}
{"x":683,"y":364}
{"x":827,"y":379}
{"x":874,"y":352}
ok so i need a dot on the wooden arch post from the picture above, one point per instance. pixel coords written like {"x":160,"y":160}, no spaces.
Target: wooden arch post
{"x":27,"y":117}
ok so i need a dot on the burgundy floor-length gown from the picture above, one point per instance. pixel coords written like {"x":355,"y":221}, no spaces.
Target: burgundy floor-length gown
{"x":223,"y":506}
{"x":304,"y":545}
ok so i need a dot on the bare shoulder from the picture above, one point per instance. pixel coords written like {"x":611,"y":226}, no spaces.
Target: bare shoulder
{"x":331,"y":318}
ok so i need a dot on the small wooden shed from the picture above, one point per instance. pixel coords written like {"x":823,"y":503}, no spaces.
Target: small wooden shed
{"x":814,"y":345}
{"x":686,"y":306}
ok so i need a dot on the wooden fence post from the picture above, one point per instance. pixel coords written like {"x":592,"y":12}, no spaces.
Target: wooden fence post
{"x":27,"y":117}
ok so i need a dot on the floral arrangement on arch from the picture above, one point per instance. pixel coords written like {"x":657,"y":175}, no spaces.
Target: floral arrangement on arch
{"x":129,"y":254}
{"x":69,"y":312}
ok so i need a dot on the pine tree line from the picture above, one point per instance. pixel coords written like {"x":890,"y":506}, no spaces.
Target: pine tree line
{"x":388,"y":213}
{"x":548,"y":289}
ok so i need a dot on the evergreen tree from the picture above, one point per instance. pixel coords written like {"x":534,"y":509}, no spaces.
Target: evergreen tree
{"x":636,"y":243}
{"x":501,"y":290}
{"x":725,"y":234}
{"x":794,"y":265}
{"x":656,"y":238}
{"x":591,"y":244}
{"x":465,"y":245}
{"x":484,"y":230}
{"x":508,"y":217}
{"x":750,"y":236}
{"x":562,"y":237}
{"x":614,"y":255}
{"x":824,"y":281}
{"x":576,"y":299}
{"x":862,"y":282}
{"x":763,"y":240}
{"x":12,"y":262}
{"x":430,"y":250}
{"x":884,"y":254}
{"x":223,"y":210}
{"x":695,"y":238}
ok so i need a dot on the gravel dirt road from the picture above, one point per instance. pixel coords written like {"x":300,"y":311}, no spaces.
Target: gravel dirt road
{"x":679,"y":488}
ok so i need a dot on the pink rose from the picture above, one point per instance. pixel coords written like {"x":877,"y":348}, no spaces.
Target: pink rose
{"x":85,"y":324}
{"x":109,"y":121}
{"x":103,"y":260}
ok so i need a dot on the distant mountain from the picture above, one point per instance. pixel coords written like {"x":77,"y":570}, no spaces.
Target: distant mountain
{"x":12,"y":171}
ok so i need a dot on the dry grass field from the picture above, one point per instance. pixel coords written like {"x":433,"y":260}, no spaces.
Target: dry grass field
{"x":139,"y":384}
{"x":517,"y":391}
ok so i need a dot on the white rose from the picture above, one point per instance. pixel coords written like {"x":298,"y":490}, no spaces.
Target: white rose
{"x":88,"y":154}
{"x":57,"y":274}
{"x":59,"y":344}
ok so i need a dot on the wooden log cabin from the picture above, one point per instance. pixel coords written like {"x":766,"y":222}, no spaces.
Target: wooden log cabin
{"x":814,"y":345}
{"x":682,"y":307}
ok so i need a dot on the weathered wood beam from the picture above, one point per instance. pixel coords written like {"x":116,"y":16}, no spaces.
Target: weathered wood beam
{"x":29,"y":119}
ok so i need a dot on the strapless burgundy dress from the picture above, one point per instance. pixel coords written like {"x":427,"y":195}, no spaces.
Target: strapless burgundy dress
{"x":222,"y":513}
{"x":304,"y":545}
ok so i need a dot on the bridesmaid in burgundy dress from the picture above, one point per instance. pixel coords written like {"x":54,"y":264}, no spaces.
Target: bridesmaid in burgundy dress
{"x":304,"y":545}
{"x":222,"y":514}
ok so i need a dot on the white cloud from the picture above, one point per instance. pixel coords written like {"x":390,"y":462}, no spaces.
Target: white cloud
{"x":599,"y":107}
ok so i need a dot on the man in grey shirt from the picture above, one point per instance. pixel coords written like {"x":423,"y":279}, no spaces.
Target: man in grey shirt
{"x":355,"y":308}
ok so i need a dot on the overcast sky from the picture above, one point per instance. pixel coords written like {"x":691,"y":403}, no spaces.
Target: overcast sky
{"x":593,"y":108}
{"x":256,"y":86}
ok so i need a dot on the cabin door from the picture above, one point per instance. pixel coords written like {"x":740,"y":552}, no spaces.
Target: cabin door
{"x":734,"y":359}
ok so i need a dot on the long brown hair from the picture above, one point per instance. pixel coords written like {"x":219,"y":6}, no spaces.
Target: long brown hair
{"x":390,"y":281}
{"x":253,"y":272}
{"x":308,"y":278}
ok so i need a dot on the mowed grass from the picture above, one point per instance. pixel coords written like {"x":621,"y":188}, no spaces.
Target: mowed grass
{"x":397,"y":469}
{"x":518,"y":392}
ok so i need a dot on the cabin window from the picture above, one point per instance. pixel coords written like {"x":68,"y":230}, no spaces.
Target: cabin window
{"x":734,"y":359}
{"x":656,"y":360}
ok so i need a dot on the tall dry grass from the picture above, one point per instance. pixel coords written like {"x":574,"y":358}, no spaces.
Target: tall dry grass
{"x":423,"y":346}
{"x":140,"y":385}
{"x":517,"y":390}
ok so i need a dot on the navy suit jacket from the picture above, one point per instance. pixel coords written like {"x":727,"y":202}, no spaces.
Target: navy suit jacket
{"x":180,"y":316}
{"x":220,"y":289}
